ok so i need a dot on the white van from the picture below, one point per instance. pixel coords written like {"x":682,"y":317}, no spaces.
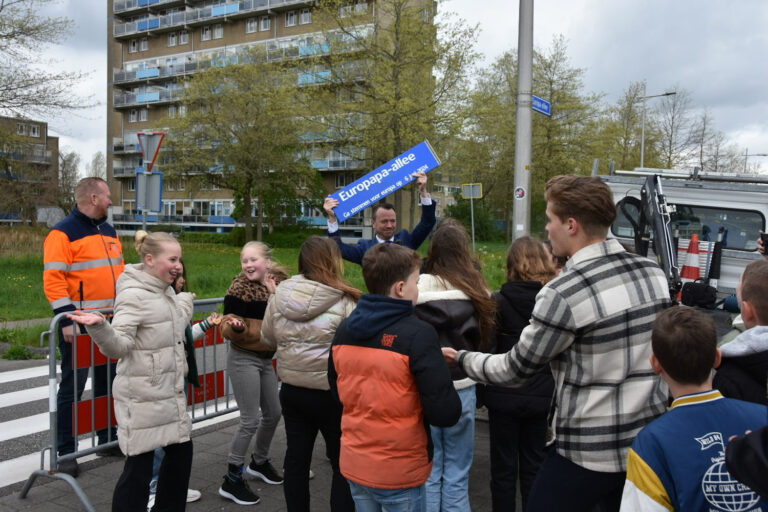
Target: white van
{"x":704,"y":203}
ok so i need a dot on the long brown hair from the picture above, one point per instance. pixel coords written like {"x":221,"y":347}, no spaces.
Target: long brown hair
{"x":449,"y":258}
{"x":320,"y":260}
{"x":528,"y":259}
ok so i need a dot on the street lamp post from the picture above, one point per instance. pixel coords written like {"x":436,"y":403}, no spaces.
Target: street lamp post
{"x":642,"y":136}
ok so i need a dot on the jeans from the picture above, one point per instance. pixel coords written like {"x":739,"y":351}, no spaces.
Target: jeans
{"x":65,"y":398}
{"x":517,"y":449}
{"x":368,"y":499}
{"x":254,"y":385}
{"x":564,"y":485}
{"x":305,"y":412}
{"x":448,"y":485}
{"x":132,"y":489}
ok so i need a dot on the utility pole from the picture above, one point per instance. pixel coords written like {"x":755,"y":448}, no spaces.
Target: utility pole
{"x":522,"y":200}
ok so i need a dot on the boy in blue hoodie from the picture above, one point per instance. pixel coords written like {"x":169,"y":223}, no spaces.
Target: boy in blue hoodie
{"x":388,"y":372}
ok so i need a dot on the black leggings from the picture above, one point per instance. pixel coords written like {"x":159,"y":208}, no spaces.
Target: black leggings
{"x":132,"y":489}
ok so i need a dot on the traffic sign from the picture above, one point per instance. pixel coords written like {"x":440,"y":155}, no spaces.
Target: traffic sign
{"x":541,"y":105}
{"x":472,"y":191}
{"x":150,"y":146}
{"x":149,"y":191}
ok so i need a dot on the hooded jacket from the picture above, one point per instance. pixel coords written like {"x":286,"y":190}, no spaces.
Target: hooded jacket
{"x":743,"y":371}
{"x":147,"y":335}
{"x":301,"y":320}
{"x":387,"y":370}
{"x":451,"y":312}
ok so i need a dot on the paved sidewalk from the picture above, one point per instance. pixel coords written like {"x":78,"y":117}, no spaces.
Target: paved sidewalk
{"x":211,"y":445}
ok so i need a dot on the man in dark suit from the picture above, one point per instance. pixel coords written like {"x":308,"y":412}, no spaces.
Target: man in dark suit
{"x":384,"y":223}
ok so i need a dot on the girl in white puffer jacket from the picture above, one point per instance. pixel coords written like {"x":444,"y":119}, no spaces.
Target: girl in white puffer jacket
{"x":301,"y":318}
{"x":147,"y":335}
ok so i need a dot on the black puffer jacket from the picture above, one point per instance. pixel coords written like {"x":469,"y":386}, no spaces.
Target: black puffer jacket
{"x":516,"y":300}
{"x":451,"y":313}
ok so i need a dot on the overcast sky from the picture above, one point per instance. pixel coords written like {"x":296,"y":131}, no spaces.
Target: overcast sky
{"x":715,"y":49}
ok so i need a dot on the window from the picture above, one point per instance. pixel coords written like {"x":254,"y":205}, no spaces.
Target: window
{"x":741,"y":226}
{"x":143,"y":114}
{"x":218,"y":31}
{"x":250,"y":25}
{"x":264,"y":23}
{"x":132,"y":184}
{"x":21,"y":129}
{"x":172,"y":39}
{"x":133,"y":46}
{"x":144,"y":44}
{"x":183,"y":37}
{"x":345,"y":10}
{"x":134,"y":115}
{"x":361,"y":7}
{"x":290,"y":18}
{"x":306,"y":16}
{"x":182,"y":111}
{"x":205,"y":33}
{"x":171,"y":110}
{"x":34,"y":130}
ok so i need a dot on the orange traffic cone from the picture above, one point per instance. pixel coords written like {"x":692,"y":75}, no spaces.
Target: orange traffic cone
{"x":690,"y":271}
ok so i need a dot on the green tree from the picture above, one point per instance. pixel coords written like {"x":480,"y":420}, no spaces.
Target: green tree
{"x":562,"y":143}
{"x":24,"y":183}
{"x":397,"y":75}
{"x":241,"y":132}
{"x":69,"y":164}
{"x":27,"y":86}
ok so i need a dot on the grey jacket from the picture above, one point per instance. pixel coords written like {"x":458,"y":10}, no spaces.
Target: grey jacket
{"x":147,"y":335}
{"x":301,"y":319}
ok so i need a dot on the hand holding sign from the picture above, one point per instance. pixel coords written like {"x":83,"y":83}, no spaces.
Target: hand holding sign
{"x":328,"y":205}
{"x":388,"y":178}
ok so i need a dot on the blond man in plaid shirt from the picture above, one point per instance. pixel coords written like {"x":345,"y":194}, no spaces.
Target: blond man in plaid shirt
{"x":592,"y":324}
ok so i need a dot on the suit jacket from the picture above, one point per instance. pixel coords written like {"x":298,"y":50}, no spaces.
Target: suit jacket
{"x":355,"y":253}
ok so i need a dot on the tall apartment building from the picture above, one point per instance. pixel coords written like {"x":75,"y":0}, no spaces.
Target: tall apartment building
{"x":29,"y":159}
{"x":154,"y":43}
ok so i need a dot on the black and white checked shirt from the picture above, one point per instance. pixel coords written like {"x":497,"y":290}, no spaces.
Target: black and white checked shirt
{"x":593,"y":325}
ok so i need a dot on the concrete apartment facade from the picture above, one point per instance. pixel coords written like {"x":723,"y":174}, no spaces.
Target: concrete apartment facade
{"x":30,"y":161}
{"x":155,"y":43}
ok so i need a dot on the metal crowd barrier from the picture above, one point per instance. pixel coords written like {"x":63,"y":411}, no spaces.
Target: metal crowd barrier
{"x":91,"y":414}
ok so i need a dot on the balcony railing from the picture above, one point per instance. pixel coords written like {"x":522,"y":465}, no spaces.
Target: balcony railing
{"x":200,"y":15}
{"x":149,"y":97}
{"x":124,"y":172}
{"x":275,"y":49}
{"x":122,"y":6}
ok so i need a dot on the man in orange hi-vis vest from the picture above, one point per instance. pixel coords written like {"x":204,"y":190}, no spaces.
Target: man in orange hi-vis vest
{"x":82,"y":260}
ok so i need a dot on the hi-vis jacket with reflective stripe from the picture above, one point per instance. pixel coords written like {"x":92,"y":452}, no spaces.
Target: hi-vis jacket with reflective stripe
{"x":83,"y":259}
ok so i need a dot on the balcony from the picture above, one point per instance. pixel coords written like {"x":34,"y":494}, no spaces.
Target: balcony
{"x":124,"y":172}
{"x":199,"y":16}
{"x":34,"y":154}
{"x":118,"y":147}
{"x":124,"y":7}
{"x":152,"y":96}
{"x":338,"y":164}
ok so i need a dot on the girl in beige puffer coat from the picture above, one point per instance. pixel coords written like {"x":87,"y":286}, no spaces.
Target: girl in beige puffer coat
{"x":147,"y":335}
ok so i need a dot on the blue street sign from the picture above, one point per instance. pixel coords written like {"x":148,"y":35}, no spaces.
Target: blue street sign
{"x":384,"y":180}
{"x":541,"y":105}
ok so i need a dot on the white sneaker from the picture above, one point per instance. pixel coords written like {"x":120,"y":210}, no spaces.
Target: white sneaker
{"x":193,"y":495}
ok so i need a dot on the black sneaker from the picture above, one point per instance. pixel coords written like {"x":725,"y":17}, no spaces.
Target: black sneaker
{"x":238,"y":492}
{"x":265,"y":471}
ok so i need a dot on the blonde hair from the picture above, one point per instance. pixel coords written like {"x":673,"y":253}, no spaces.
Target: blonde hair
{"x":85,"y":187}
{"x":152,"y":243}
{"x":266,"y":252}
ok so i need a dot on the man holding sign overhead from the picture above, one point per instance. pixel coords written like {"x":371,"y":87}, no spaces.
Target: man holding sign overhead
{"x":384,"y":223}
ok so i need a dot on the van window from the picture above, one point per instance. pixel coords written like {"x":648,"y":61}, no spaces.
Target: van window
{"x":742,"y":227}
